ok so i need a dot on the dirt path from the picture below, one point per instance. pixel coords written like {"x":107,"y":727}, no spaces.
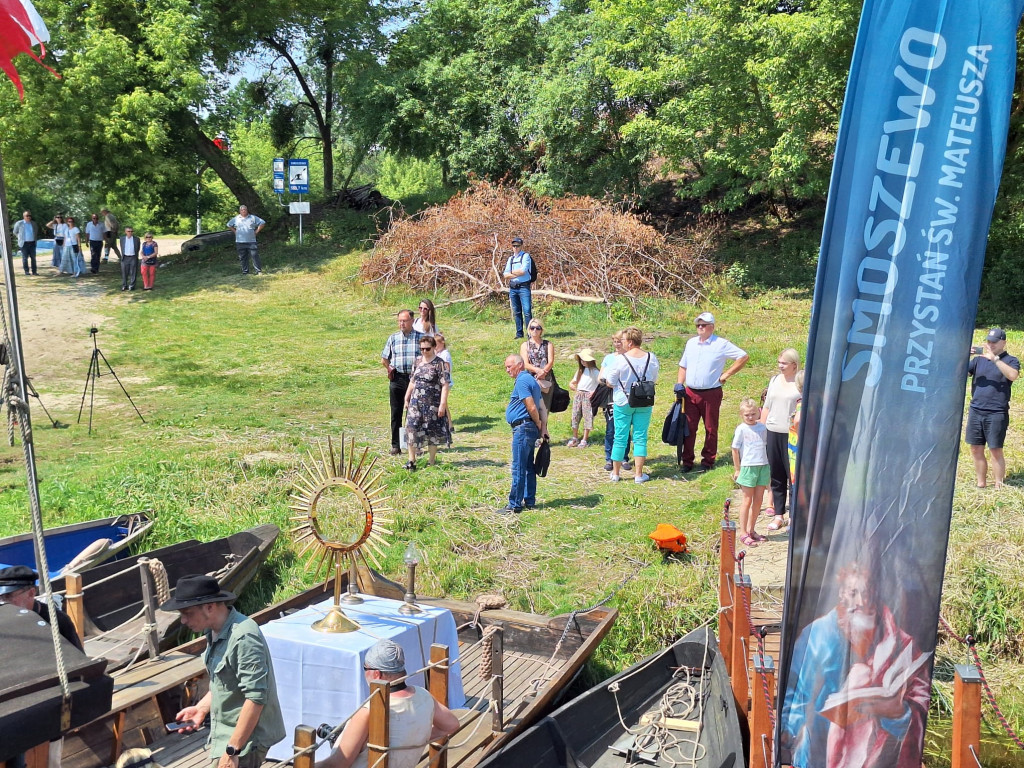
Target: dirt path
{"x":56,"y":313}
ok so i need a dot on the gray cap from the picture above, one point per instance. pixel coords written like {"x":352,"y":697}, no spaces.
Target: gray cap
{"x":385,"y":656}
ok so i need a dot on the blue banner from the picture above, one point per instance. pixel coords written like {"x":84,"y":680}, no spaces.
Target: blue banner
{"x":918,"y":160}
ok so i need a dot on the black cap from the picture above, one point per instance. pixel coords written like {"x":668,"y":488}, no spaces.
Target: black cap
{"x":517,"y":241}
{"x":196,"y":590}
{"x":996,"y":334}
{"x":16,"y":577}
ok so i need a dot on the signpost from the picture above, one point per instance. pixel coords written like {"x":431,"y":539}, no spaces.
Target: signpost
{"x":298,"y":182}
{"x":279,"y":175}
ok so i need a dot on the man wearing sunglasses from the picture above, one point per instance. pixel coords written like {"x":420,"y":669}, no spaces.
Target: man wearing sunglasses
{"x":518,"y":271}
{"x":701,"y":376}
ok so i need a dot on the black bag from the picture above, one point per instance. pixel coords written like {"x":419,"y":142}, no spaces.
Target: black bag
{"x":542,"y":459}
{"x":150,"y":262}
{"x":641,"y":393}
{"x":559,"y":398}
{"x":533,"y":269}
{"x":602,"y":396}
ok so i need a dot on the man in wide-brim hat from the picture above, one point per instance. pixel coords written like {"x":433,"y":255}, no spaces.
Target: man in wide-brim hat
{"x":245,"y":714}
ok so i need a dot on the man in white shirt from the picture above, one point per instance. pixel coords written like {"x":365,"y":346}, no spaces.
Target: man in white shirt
{"x":130,"y":247}
{"x":701,"y":376}
{"x":246,"y":227}
{"x":94,"y":234}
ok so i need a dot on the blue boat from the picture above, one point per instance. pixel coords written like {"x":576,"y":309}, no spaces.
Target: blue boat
{"x":79,"y":546}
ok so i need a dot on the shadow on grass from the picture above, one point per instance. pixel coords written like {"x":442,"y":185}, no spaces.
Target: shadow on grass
{"x":481,"y":463}
{"x":475,"y":423}
{"x":589,"y":501}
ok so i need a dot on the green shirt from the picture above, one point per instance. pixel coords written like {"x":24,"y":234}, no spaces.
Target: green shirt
{"x":238,"y":663}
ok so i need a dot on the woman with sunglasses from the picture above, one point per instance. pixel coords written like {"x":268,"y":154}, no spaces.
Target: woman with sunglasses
{"x":426,"y":400}
{"x":60,"y":232}
{"x":426,"y":323}
{"x":539,"y":356}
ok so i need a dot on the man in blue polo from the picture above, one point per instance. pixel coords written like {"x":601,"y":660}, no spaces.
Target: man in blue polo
{"x":992,"y":375}
{"x":528,"y":418}
{"x":518,"y":270}
{"x":701,"y":376}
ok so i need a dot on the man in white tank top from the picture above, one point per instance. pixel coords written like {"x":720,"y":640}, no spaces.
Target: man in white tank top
{"x":415,"y":717}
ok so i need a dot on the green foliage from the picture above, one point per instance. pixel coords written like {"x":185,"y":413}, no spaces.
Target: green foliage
{"x":401,"y":178}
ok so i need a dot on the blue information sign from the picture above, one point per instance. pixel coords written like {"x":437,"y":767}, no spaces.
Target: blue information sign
{"x":279,"y":175}
{"x":298,"y":176}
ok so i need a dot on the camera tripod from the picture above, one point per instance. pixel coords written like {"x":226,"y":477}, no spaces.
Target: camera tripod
{"x":93,"y":374}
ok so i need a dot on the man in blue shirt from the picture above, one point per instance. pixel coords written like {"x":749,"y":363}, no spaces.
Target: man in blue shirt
{"x":246,"y":227}
{"x":518,"y":270}
{"x":993,"y":373}
{"x":27,"y":233}
{"x":528,"y":418}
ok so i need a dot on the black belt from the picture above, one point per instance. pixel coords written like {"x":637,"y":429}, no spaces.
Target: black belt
{"x":517,"y":422}
{"x":402,"y":373}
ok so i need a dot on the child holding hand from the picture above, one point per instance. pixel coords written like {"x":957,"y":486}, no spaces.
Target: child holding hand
{"x":750,"y":464}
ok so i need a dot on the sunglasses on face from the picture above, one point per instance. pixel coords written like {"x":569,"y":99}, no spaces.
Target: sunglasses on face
{"x":425,"y":349}
{"x":703,"y":325}
{"x":536,"y":328}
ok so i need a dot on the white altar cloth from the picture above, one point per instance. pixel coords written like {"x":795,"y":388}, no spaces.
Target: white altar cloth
{"x":320,"y":675}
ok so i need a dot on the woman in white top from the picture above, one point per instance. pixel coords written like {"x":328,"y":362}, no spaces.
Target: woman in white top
{"x":634,"y":364}
{"x":426,"y":323}
{"x":70,"y":262}
{"x":414,"y":717}
{"x":780,"y":402}
{"x":60,"y":234}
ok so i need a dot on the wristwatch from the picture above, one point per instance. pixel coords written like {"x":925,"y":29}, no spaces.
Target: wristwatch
{"x":231,"y":751}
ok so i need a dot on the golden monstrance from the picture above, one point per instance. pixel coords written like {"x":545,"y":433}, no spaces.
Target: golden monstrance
{"x":341,"y":516}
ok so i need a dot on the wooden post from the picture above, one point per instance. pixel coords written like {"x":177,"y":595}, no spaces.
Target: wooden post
{"x":38,"y":757}
{"x":149,"y":604}
{"x":74,"y":601}
{"x":725,"y":625}
{"x":726,"y":561}
{"x":380,"y":731}
{"x":497,"y":683}
{"x":305,"y":736}
{"x":740,"y":636}
{"x":437,"y":684}
{"x":966,"y":715}
{"x":760,"y":710}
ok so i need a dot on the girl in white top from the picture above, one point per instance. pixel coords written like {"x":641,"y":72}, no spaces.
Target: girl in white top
{"x":426,"y":323}
{"x":780,"y":401}
{"x":60,"y":234}
{"x":584,"y":384}
{"x":750,"y":465}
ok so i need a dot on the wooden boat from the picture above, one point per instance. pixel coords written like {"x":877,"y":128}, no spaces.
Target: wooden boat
{"x":79,"y":546}
{"x":590,"y":732}
{"x":541,"y":656}
{"x":113,"y":610}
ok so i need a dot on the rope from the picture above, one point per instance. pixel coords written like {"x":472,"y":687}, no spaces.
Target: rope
{"x":487,"y":651}
{"x":486,"y":603}
{"x":160,"y":581}
{"x":969,"y":641}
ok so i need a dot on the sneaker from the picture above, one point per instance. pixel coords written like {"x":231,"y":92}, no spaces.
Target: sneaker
{"x":608,"y":466}
{"x":626,"y":465}
{"x":508,"y":509}
{"x":613,"y":477}
{"x":641,"y":478}
{"x":572,"y":443}
{"x":581,"y":444}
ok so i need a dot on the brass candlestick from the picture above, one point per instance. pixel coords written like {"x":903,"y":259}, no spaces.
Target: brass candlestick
{"x":412,"y":559}
{"x":352,"y":596}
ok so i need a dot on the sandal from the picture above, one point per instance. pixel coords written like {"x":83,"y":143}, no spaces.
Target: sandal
{"x":757,"y":536}
{"x":768,"y":512}
{"x":571,"y":444}
{"x":748,"y":541}
{"x":777,"y":524}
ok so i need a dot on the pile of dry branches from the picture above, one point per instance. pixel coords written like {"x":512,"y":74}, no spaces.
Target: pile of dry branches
{"x":585,"y":250}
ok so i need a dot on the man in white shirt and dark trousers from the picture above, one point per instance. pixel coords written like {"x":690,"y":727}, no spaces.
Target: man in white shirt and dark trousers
{"x":700,"y":382}
{"x":94,"y":234}
{"x":246,"y":227}
{"x":130,"y":248}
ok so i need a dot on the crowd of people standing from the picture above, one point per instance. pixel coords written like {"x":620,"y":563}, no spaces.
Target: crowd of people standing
{"x":136,"y":255}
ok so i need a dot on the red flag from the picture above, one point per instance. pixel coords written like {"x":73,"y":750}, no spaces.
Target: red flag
{"x":21,"y":28}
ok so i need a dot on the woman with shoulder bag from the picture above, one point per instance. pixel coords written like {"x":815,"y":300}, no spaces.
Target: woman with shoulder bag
{"x":632,"y":381}
{"x":538,"y":357}
{"x":150,"y":257}
{"x":60,"y":232}
{"x":777,"y":411}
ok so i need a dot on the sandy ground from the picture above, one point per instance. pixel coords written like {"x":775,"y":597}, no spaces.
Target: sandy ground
{"x":56,"y":313}
{"x":766,"y":563}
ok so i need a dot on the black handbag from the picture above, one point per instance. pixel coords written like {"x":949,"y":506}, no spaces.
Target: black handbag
{"x":559,"y":398}
{"x":641,"y":393}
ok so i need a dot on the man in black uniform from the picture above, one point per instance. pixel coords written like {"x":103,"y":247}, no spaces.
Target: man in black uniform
{"x":18,"y":587}
{"x":993,"y":372}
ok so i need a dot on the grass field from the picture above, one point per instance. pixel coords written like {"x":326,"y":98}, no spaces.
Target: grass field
{"x":239,"y":377}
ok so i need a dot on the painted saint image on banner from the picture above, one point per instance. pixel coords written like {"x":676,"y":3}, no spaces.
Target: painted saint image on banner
{"x":859,"y":687}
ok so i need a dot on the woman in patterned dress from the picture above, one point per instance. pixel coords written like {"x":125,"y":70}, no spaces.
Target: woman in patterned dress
{"x":427,"y":402}
{"x":538,"y":357}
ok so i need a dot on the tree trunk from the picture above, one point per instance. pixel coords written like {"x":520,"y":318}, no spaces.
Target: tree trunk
{"x":327,"y":131}
{"x":219,"y":161}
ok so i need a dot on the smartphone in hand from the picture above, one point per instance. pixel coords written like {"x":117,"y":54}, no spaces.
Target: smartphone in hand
{"x":176,"y":726}
{"x":977,"y":350}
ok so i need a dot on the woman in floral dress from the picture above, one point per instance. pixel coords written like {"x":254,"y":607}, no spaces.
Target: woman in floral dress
{"x":427,"y":404}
